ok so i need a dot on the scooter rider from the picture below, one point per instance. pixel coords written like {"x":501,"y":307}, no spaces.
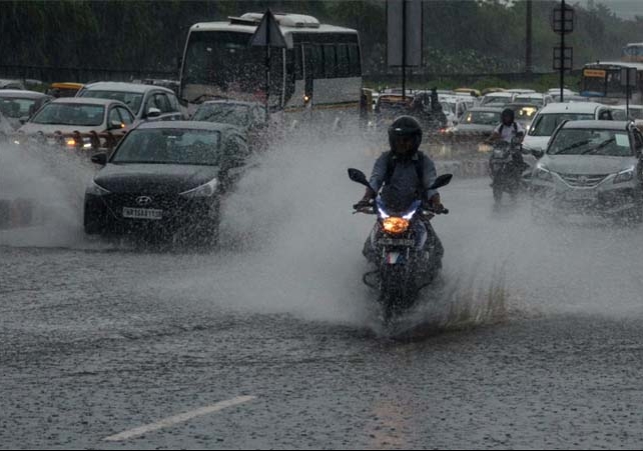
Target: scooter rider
{"x":509,"y":130}
{"x":403,"y":175}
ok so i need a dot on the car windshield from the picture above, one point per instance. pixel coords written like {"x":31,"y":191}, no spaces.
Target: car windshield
{"x":529,"y":99}
{"x":545,"y":124}
{"x":585,"y":141}
{"x":482,"y":117}
{"x":224,"y":113}
{"x":496,"y":100}
{"x":170,"y":146}
{"x":71,"y":114}
{"x":131,"y":99}
{"x":16,"y":108}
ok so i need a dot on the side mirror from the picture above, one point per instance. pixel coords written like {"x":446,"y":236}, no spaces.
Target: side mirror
{"x":538,"y":153}
{"x":115,"y":125}
{"x":100,"y":158}
{"x":153,"y":112}
{"x":441,"y":181}
{"x":24,"y":119}
{"x":358,"y":176}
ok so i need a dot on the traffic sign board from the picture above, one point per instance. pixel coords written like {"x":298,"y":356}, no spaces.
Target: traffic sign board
{"x":563,"y":60}
{"x":268,"y":33}
{"x":563,"y":19}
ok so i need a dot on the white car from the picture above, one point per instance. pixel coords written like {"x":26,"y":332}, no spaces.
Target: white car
{"x":535,"y":98}
{"x":620,"y":112}
{"x":547,"y":119}
{"x":145,"y":101}
{"x":498,"y":99}
{"x":65,"y":116}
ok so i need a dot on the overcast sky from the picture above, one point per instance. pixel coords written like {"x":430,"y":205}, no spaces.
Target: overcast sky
{"x":623,"y":8}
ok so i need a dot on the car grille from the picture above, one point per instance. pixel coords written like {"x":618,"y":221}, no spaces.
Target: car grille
{"x":583,"y":181}
{"x":171,"y":204}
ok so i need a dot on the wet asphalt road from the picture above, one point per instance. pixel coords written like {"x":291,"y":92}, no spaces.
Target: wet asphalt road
{"x":99,"y":339}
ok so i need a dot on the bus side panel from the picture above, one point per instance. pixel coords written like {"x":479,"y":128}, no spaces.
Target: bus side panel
{"x":337,"y":91}
{"x":297,"y":99}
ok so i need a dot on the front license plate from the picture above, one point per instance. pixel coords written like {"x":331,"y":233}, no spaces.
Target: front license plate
{"x":394,"y":242}
{"x":580,"y":195}
{"x":142,"y":213}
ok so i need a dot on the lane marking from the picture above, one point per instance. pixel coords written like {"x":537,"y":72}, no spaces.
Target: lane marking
{"x":181,"y":418}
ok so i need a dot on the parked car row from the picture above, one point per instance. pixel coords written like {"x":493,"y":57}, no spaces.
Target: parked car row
{"x":101,"y":113}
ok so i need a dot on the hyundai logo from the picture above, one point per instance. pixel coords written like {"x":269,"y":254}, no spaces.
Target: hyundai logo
{"x":583,"y":179}
{"x":144,"y":200}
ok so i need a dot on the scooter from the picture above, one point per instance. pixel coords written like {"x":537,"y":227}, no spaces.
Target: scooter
{"x":506,"y":169}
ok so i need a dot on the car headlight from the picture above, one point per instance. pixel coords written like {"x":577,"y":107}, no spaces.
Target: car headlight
{"x":624,"y":176}
{"x":207,"y":190}
{"x":85,"y":142}
{"x":96,"y":190}
{"x":544,"y":174}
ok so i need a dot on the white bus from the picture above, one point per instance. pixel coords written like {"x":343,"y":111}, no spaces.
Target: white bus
{"x":603,"y":80}
{"x":321,"y":66}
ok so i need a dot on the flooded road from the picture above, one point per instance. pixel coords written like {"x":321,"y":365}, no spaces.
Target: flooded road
{"x":532,"y":340}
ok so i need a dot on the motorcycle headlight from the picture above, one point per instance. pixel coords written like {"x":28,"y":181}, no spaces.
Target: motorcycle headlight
{"x":543,"y":174}
{"x":624,"y":176}
{"x":97,"y":190}
{"x":395,"y":226}
{"x":207,"y":190}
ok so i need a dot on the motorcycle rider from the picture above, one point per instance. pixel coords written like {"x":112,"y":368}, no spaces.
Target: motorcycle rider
{"x":508,"y":130}
{"x":403,"y":174}
{"x":512,"y":133}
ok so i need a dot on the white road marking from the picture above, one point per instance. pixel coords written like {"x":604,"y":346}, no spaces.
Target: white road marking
{"x":182,"y":418}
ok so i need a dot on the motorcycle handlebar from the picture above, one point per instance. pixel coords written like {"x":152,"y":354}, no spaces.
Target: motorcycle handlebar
{"x":371,"y":211}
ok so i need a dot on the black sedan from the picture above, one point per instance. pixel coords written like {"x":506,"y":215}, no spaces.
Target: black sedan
{"x":250,"y":117}
{"x":164,"y":178}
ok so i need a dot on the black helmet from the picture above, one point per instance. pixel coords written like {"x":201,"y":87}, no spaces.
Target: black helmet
{"x":405,"y":126}
{"x":508,"y":113}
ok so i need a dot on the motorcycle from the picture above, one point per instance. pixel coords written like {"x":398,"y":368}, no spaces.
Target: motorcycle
{"x":506,"y":168}
{"x":400,"y":250}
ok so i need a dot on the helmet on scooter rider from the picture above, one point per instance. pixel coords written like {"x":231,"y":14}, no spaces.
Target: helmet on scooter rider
{"x":508,"y":116}
{"x":403,"y":130}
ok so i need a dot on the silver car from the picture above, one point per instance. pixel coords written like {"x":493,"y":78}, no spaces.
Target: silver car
{"x":591,"y":167}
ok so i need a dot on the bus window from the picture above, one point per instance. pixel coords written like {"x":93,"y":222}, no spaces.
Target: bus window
{"x":330,"y":62}
{"x":355,"y":62}
{"x":343,"y":61}
{"x":223,"y":59}
{"x":299,"y":63}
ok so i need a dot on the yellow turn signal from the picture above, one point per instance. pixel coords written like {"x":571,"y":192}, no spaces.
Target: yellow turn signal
{"x":395,"y":226}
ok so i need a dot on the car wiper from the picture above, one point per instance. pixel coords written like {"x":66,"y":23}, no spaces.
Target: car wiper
{"x":573,"y":146}
{"x":599,"y":147}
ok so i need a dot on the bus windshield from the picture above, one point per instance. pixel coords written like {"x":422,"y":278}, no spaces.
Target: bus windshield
{"x":603,"y":82}
{"x":225,"y":60}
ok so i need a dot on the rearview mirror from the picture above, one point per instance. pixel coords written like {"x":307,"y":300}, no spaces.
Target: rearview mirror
{"x":441,"y":181}
{"x":100,"y":158}
{"x":358,"y":176}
